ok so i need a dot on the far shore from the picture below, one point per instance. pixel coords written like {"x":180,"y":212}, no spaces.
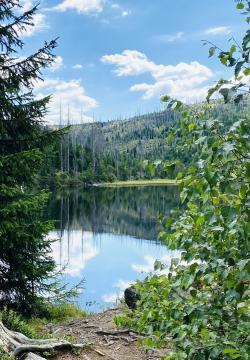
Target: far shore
{"x":135,"y":183}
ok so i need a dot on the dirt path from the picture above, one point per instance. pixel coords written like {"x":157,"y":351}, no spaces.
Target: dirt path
{"x":105,"y":341}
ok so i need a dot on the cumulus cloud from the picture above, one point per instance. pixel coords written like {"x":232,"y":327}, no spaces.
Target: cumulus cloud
{"x":169,"y":38}
{"x":220,"y":30}
{"x":67,"y":93}
{"x":74,"y":252}
{"x":27,"y":4}
{"x":115,"y":6}
{"x":184,"y":81}
{"x":120,"y":286}
{"x":149,"y":261}
{"x":146,"y":267}
{"x":125,"y":13}
{"x":110,"y":298}
{"x":77,"y":66}
{"x":81,"y":6}
{"x":39,"y":20}
{"x":57,"y":64}
{"x":40,"y":24}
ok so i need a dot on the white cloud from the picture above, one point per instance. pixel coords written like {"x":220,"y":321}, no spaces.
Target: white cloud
{"x":220,"y":30}
{"x":57,"y":64}
{"x":169,"y":38}
{"x":68,"y":93}
{"x":27,"y":4}
{"x":184,"y":81}
{"x":81,"y":6}
{"x":120,"y":286}
{"x":115,"y":6}
{"x":110,"y":298}
{"x":149,"y":262}
{"x":38,"y":20}
{"x":73,"y":252}
{"x":147,"y":267}
{"x":77,"y":66}
{"x":125,"y":13}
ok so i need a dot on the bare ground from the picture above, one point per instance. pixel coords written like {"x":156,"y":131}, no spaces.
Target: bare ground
{"x":104,"y":341}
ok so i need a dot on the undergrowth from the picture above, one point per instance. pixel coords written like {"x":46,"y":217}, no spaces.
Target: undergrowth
{"x":35,"y":326}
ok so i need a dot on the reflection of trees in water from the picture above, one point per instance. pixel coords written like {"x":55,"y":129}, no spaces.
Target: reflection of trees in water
{"x":129,"y":211}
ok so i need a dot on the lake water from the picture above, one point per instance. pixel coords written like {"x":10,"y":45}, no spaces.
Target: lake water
{"x":109,"y":238}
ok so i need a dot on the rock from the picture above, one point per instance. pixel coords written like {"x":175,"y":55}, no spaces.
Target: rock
{"x":131,"y":296}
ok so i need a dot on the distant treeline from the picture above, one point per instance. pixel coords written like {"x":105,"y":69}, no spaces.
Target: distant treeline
{"x":120,"y":150}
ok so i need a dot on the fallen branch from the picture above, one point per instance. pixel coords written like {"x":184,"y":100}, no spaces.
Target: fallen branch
{"x":118,"y":332}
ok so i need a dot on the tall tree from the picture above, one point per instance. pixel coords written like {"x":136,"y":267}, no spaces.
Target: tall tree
{"x":25,"y":260}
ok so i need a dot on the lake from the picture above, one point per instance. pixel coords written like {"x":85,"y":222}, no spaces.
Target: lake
{"x":108,"y":236}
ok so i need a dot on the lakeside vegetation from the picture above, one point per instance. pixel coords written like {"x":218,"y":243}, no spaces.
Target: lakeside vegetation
{"x":202,"y":305}
{"x":135,"y":183}
{"x":139,"y":148}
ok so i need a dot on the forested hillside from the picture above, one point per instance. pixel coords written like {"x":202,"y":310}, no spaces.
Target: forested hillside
{"x":120,"y":150}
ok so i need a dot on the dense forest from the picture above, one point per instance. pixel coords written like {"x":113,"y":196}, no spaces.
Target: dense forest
{"x":122,"y":150}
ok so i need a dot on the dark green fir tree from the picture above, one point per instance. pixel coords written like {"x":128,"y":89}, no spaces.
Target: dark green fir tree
{"x":25,"y":253}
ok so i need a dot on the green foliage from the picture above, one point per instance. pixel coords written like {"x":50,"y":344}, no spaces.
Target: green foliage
{"x":204,"y":302}
{"x":35,"y":327}
{"x":142,"y":147}
{"x":63,"y":311}
{"x":15,"y":322}
{"x":236,"y":57}
{"x":5,"y":356}
{"x":25,"y":257}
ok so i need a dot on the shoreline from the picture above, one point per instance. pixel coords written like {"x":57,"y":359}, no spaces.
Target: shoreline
{"x":136,"y":183}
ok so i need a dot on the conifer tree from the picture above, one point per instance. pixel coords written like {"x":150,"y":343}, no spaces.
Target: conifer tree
{"x":25,"y":259}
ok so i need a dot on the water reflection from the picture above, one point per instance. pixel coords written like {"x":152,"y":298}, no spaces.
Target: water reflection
{"x":127,"y":211}
{"x":108,"y":236}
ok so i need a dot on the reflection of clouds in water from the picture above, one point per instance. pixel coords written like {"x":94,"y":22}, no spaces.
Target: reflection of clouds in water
{"x":73,"y":251}
{"x":148,"y":266}
{"x":120,"y":286}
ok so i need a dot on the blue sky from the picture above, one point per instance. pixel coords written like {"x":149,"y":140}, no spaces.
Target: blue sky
{"x":117,"y":57}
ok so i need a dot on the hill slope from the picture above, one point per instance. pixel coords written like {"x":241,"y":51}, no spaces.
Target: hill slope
{"x":117,"y":150}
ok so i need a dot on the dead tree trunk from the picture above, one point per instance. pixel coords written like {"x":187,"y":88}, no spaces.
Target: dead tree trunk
{"x":17,"y":344}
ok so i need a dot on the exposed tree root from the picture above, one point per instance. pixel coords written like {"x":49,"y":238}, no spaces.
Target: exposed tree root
{"x":119,"y":332}
{"x":17,"y":344}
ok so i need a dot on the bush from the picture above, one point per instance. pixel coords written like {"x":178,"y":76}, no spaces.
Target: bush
{"x":62,"y":312}
{"x":203,"y":304}
{"x":15,"y":322}
{"x":34,"y":327}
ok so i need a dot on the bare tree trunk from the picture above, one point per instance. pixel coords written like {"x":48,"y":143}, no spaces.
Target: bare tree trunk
{"x":61,"y":144}
{"x":17,"y":344}
{"x":68,"y":142}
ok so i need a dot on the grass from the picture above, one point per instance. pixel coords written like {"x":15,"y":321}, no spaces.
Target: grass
{"x":134,"y":183}
{"x":34,"y":327}
{"x":64,"y":311}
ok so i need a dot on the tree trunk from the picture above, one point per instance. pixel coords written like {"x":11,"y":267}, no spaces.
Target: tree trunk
{"x":17,"y":344}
